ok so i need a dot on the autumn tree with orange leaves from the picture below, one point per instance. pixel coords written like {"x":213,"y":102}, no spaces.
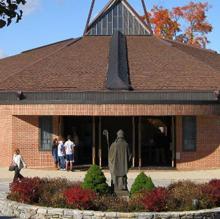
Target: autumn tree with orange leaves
{"x":187,"y":24}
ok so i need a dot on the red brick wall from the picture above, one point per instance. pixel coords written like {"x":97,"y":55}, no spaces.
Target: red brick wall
{"x":5,"y":137}
{"x":19,"y":128}
{"x":109,"y":110}
{"x":25,"y":136}
{"x":207,"y":154}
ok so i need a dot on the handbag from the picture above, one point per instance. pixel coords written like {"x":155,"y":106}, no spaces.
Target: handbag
{"x":12,"y":167}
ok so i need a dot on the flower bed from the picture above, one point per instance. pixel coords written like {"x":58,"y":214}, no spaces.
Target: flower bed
{"x":15,"y":209}
{"x":61,"y":193}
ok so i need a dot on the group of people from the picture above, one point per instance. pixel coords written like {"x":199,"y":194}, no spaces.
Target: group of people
{"x":63,"y":153}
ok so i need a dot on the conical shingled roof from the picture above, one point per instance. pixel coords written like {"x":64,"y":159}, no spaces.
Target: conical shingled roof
{"x":84,"y":64}
{"x":81,"y":65}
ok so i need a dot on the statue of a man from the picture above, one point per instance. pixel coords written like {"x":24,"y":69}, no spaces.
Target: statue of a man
{"x":118,"y":160}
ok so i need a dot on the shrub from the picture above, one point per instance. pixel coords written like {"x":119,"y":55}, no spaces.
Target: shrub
{"x":110,"y":203}
{"x":154,"y":200}
{"x":51,"y":191}
{"x":135,"y":203}
{"x":77,"y":197}
{"x":27,"y":190}
{"x":181,"y":195}
{"x":96,"y":181}
{"x":212,"y":190}
{"x":142,"y":182}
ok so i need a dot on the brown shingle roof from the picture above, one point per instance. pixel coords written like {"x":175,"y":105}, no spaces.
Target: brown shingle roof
{"x":157,"y":64}
{"x":82,"y":66}
{"x":14,"y":64}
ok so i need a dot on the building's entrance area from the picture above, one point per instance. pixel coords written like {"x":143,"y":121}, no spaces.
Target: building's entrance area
{"x":80,"y":129}
{"x":151,"y":139}
{"x":156,"y":141}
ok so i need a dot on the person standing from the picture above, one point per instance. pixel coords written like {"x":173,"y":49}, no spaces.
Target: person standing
{"x":69,"y":150}
{"x":55,"y":152}
{"x":118,"y":159}
{"x":19,"y":163}
{"x":61,"y":154}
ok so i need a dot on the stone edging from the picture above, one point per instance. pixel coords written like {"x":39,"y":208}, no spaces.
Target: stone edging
{"x":11,"y":208}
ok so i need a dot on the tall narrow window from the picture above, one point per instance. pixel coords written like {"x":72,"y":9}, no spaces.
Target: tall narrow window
{"x":189,"y":133}
{"x":45,"y":132}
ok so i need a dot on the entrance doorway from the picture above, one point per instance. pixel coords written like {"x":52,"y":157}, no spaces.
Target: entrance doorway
{"x":156,"y":141}
{"x":112,"y":125}
{"x":151,"y":139}
{"x":80,"y":129}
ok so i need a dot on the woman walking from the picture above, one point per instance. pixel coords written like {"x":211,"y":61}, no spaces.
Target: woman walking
{"x":19,"y":164}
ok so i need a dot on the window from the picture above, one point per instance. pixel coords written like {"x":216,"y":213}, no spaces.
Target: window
{"x":189,"y":133}
{"x":45,"y":132}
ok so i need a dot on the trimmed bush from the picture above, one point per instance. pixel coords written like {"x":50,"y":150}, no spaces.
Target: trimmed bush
{"x":79,"y":198}
{"x":26,"y":191}
{"x":212,"y":190}
{"x":155,"y":200}
{"x":110,"y":203}
{"x":181,"y":195}
{"x":142,"y":183}
{"x":51,"y":191}
{"x":96,"y":181}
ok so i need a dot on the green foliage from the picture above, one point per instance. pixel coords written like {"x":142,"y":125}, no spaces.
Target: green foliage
{"x":9,"y":10}
{"x":142,"y":182}
{"x":95,"y":180}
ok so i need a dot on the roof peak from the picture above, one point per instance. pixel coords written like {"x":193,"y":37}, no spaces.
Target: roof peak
{"x":117,"y":15}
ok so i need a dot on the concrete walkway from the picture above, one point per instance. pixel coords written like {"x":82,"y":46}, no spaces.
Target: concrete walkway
{"x":159,"y":177}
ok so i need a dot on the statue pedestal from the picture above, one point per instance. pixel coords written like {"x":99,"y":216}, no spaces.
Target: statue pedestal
{"x":122,"y":194}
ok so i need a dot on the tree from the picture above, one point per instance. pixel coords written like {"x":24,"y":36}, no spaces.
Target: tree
{"x":169,"y":24}
{"x":9,"y":10}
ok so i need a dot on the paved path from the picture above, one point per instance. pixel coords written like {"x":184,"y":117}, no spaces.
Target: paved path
{"x":159,"y":177}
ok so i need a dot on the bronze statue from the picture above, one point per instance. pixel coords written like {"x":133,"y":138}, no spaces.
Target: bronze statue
{"x":118,"y":160}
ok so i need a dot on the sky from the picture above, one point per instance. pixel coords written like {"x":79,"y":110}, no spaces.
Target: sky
{"x":49,"y":21}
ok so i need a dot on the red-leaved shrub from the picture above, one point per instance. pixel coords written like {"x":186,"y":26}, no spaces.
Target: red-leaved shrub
{"x":77,"y":197}
{"x":213,"y":190}
{"x":154,"y":200}
{"x":26,"y":190}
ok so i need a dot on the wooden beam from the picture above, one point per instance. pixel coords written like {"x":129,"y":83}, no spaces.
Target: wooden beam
{"x":139,"y":143}
{"x":93,"y":140}
{"x":89,"y":17}
{"x":100,"y":141}
{"x":133,"y":141}
{"x":147,"y":17}
{"x":173,"y":142}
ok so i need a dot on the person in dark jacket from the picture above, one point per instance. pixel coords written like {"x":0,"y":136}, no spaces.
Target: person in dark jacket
{"x":55,"y":152}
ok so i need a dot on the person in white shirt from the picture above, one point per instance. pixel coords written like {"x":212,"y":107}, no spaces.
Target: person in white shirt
{"x":61,"y":154}
{"x":19,"y":163}
{"x":69,"y":150}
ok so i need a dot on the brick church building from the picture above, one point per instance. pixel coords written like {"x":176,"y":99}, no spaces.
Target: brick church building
{"x":163,"y":94}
